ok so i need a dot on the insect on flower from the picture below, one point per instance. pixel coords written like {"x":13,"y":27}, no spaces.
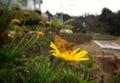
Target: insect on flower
{"x":62,"y":44}
{"x":75,"y":55}
{"x":64,"y":49}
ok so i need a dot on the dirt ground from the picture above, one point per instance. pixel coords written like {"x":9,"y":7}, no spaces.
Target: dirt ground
{"x":108,"y":65}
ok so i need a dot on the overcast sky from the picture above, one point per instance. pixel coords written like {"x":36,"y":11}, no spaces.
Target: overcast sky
{"x":79,"y":7}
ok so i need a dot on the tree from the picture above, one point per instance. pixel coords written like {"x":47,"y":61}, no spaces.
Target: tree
{"x":78,"y":24}
{"x":112,"y":20}
{"x":105,"y":15}
{"x":66,"y":17}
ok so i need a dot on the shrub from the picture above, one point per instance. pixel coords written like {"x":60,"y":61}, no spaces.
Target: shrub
{"x":77,"y":38}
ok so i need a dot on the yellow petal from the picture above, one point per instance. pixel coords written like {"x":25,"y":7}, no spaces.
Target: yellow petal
{"x":81,"y":54}
{"x":53,"y":46}
{"x":75,"y":51}
{"x":82,"y":59}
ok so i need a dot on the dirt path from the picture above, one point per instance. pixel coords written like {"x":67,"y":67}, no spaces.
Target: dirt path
{"x":106,"y":63}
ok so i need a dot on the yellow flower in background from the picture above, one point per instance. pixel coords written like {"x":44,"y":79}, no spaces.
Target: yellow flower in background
{"x":41,"y":22}
{"x":24,"y":56}
{"x":40,"y":33}
{"x":26,"y":13}
{"x":47,"y":23}
{"x":68,"y":55}
{"x":15,"y":21}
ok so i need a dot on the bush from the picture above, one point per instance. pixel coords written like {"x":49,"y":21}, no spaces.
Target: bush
{"x":8,"y":53}
{"x":104,"y":37}
{"x":77,"y":38}
{"x":41,"y":47}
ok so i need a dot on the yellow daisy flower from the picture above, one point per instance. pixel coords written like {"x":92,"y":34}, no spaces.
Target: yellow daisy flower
{"x":16,"y":21}
{"x":68,"y":55}
{"x":40,"y":33}
{"x":41,"y":22}
{"x":26,"y":13}
{"x":48,"y":23}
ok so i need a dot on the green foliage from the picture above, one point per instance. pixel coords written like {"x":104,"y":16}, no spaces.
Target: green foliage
{"x":68,"y":21}
{"x":87,"y":70}
{"x":93,"y":24}
{"x":9,"y":52}
{"x":104,"y":37}
{"x":56,"y":23}
{"x":17,"y":46}
{"x":41,"y":47}
{"x":39,"y":70}
{"x":106,"y":22}
{"x":88,"y":23}
{"x":16,"y":27}
{"x":31,"y":71}
{"x":67,"y":26}
{"x":68,"y":75}
{"x":77,"y":23}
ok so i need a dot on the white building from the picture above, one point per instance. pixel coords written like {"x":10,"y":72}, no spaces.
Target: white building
{"x":25,"y":4}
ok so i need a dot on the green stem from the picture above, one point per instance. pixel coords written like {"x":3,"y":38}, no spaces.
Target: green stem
{"x":31,"y":39}
{"x":27,"y":42}
{"x":21,"y":40}
{"x":14,"y":35}
{"x":31,"y":44}
{"x":62,"y":65}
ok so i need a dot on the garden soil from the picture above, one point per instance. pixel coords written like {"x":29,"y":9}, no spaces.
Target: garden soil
{"x":107,"y":64}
